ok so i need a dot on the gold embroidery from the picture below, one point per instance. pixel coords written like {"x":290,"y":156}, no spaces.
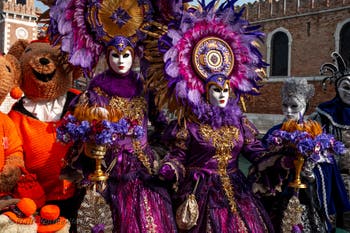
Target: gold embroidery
{"x":246,"y":123}
{"x":133,"y":109}
{"x":119,"y":107}
{"x":223,"y":140}
{"x":150,"y":226}
{"x":141,"y":156}
{"x":181,"y":137}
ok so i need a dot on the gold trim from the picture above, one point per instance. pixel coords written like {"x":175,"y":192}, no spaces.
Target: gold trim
{"x":224,"y":140}
{"x":141,"y":155}
{"x":229,"y":57}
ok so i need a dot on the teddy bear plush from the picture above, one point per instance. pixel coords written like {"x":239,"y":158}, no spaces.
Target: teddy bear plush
{"x":46,"y":81}
{"x":11,"y":152}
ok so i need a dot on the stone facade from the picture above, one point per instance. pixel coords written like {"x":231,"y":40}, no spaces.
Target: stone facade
{"x":18,"y":20}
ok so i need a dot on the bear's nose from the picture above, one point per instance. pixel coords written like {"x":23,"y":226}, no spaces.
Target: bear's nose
{"x":44,"y":61}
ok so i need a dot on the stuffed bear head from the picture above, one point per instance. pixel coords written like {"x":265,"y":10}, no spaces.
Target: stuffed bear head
{"x":46,"y":74}
{"x":9,"y":75}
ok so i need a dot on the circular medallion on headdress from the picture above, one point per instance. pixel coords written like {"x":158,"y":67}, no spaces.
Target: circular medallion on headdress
{"x":212,"y":55}
{"x":115,"y":18}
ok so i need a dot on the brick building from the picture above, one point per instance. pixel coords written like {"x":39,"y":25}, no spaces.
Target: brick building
{"x":300,"y":37}
{"x":17,"y":21}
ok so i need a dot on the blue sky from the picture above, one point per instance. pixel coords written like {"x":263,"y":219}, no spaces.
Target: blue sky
{"x":43,"y":7}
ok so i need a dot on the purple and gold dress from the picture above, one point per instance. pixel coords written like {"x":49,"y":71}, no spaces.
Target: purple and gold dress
{"x":210,"y":153}
{"x":138,"y":200}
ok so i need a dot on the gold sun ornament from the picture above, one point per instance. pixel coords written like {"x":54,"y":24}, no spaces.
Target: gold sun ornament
{"x":212,"y":55}
{"x":116,"y":18}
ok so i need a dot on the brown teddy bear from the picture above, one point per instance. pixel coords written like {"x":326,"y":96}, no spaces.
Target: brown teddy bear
{"x":46,"y":81}
{"x":11,"y":152}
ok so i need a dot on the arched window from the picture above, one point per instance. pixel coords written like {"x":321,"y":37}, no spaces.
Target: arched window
{"x":279,"y":54}
{"x":344,"y":43}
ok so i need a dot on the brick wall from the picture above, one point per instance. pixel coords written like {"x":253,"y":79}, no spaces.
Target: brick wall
{"x":312,"y":25}
{"x":269,"y":101}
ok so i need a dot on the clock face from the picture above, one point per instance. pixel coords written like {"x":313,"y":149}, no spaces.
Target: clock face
{"x":21,"y":33}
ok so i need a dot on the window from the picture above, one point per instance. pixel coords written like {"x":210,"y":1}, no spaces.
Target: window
{"x":344,"y":43}
{"x":279,"y":54}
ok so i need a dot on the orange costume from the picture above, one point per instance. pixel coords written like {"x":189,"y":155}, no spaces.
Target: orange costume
{"x":11,"y":145}
{"x":43,"y":154}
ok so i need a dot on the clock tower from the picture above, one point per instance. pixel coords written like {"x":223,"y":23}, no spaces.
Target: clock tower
{"x":18,"y":20}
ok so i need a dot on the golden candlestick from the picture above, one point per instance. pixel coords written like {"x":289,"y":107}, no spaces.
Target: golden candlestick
{"x":298,"y":164}
{"x":98,"y":153}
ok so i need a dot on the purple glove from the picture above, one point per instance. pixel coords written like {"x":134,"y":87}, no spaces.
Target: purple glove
{"x":166,"y":172}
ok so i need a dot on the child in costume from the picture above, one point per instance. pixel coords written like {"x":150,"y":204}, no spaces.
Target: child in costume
{"x":210,"y":62}
{"x":334,"y":116}
{"x":19,"y":218}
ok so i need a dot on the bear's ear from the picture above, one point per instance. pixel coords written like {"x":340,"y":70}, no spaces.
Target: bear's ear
{"x":18,"y":48}
{"x":16,"y":68}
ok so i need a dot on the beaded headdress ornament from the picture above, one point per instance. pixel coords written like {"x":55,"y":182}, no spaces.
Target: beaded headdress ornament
{"x":298,"y":88}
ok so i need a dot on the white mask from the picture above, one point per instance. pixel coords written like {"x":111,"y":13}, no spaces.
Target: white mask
{"x":293,"y":107}
{"x":344,"y":90}
{"x":120,"y":62}
{"x":219,"y":96}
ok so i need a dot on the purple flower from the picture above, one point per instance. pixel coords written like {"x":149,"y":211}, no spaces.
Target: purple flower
{"x":323,"y":140}
{"x":305,"y":146}
{"x":339,"y":147}
{"x":138,"y":132}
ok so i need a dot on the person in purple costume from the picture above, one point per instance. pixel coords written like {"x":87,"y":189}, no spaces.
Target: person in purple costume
{"x":210,"y":62}
{"x":207,"y":152}
{"x":138,"y":200}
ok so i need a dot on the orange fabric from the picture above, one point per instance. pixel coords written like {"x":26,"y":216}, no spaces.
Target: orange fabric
{"x":50,"y":213}
{"x":11,"y":144}
{"x":26,"y":221}
{"x":75,"y":91}
{"x":43,"y":154}
{"x":27,"y":206}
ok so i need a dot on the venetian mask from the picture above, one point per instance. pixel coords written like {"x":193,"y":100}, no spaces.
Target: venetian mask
{"x":218,"y":90}
{"x":343,"y":89}
{"x":120,"y":55}
{"x":120,"y":63}
{"x":293,"y":107}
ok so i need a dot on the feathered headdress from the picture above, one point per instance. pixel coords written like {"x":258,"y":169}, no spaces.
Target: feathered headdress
{"x":84,"y":27}
{"x":337,"y":71}
{"x":209,"y":39}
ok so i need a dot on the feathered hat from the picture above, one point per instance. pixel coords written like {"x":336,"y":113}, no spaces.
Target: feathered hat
{"x":210,"y":39}
{"x":85,"y":27}
{"x":338,"y":71}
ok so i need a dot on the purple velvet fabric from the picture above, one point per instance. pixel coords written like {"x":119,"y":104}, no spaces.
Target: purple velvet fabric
{"x":138,"y":200}
{"x":214,"y":208}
